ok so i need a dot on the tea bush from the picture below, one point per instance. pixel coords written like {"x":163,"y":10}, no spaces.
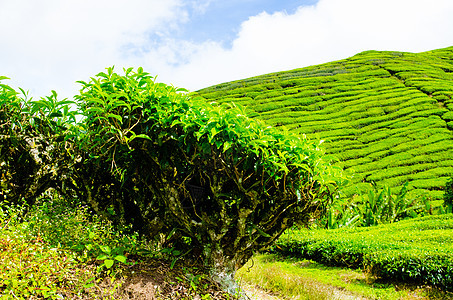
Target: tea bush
{"x":33,"y":151}
{"x":448,"y":195}
{"x":412,"y":250}
{"x":207,"y":178}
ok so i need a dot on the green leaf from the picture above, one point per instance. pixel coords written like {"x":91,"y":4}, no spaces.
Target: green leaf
{"x":102,"y":74}
{"x":226,"y":145}
{"x":41,"y":104}
{"x":121,"y":103}
{"x":94,"y":109}
{"x":102,"y":257}
{"x":89,"y":283}
{"x":214,"y":132}
{"x":108,"y":263}
{"x":7,"y":87}
{"x":116,"y":117}
{"x":98,"y":119}
{"x":105,"y":249}
{"x":218,"y":144}
{"x":64,"y":102}
{"x":57,"y":114}
{"x":96,"y":100}
{"x":142,"y":136}
{"x":121,"y":258}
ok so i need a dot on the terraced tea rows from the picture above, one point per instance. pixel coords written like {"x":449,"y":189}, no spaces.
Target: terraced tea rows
{"x":387,"y":116}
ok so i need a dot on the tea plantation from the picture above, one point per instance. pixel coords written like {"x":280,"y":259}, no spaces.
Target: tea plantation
{"x":386,"y":116}
{"x":416,"y":250}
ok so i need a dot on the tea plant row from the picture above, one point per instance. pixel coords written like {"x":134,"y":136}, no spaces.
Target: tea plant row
{"x":413,"y":250}
{"x":381,"y":113}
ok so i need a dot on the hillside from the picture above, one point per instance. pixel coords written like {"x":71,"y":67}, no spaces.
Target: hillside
{"x":387,"y":116}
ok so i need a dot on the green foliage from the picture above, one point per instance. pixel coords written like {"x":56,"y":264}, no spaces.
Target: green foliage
{"x":36,"y":263}
{"x":72,"y":227}
{"x":381,"y":207}
{"x":448,"y":195}
{"x":31,"y":268}
{"x":411,"y":250}
{"x":207,"y":179}
{"x":293,"y":278}
{"x":57,"y":249}
{"x":195,"y":177}
{"x":33,"y":151}
{"x":373,"y":207}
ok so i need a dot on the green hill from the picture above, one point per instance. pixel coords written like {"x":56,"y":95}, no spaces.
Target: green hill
{"x":387,"y":116}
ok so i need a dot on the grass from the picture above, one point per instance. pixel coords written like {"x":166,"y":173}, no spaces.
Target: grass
{"x":373,"y":107}
{"x":296,"y":279}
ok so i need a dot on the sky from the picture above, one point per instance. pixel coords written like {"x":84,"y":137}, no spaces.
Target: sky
{"x":50,"y":44}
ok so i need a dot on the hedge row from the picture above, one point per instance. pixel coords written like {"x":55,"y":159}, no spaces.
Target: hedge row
{"x":416,"y":250}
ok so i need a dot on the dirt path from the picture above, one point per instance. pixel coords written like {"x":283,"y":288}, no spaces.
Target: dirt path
{"x":255,"y":293}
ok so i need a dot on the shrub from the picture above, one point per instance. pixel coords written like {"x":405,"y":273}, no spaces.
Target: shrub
{"x":33,"y":151}
{"x":372,"y":207}
{"x":208,"y":179}
{"x":448,"y":195}
{"x":30,"y":268}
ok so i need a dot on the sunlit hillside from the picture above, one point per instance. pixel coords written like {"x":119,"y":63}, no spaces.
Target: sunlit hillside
{"x":387,"y":116}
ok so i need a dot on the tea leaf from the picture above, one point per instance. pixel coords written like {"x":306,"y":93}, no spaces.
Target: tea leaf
{"x":105,"y":249}
{"x":102,"y":257}
{"x":108,"y":263}
{"x":116,"y":117}
{"x":121,"y":258}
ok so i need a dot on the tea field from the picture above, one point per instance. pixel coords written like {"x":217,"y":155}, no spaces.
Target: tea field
{"x":417,"y":250}
{"x":386,"y":116}
{"x":409,"y":259}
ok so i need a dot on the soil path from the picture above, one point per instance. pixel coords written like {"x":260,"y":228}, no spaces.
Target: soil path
{"x":255,"y":293}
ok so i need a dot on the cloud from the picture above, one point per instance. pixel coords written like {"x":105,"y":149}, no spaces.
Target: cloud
{"x":329,"y":30}
{"x":58,"y":42}
{"x":200,"y":6}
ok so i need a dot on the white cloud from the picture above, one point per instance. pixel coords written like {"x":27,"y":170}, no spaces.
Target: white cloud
{"x":57,"y":42}
{"x":330,"y":30}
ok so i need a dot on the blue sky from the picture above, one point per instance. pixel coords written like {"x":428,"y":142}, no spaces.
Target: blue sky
{"x":220,"y":20}
{"x":50,"y":44}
